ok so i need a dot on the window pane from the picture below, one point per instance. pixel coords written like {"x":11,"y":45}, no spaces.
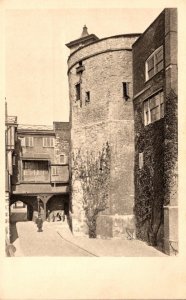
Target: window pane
{"x":150,"y":63}
{"x":159,"y":55}
{"x":154,"y":102}
{"x":161,"y":97}
{"x":147,"y":121}
{"x":26,"y":141}
{"x":146,"y":105}
{"x":162,"y":110}
{"x":155,"y":114}
{"x":159,"y":66}
{"x":151,"y":73}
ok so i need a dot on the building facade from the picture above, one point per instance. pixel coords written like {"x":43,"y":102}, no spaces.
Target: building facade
{"x":123,"y":90}
{"x":41,"y":173}
{"x":101,"y":111}
{"x":10,"y":143}
{"x":156,"y":137}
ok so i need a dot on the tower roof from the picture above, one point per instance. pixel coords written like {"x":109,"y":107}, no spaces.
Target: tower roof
{"x":84,"y":39}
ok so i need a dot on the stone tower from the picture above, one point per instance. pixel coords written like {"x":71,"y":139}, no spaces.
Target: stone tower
{"x":101,"y":110}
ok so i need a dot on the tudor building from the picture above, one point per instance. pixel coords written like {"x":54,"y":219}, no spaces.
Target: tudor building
{"x":40,"y":173}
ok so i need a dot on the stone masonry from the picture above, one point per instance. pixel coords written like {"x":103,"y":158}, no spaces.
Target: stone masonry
{"x":103,"y":69}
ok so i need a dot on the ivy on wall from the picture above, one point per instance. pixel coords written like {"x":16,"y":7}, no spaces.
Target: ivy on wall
{"x":149,"y":183}
{"x":93,"y":171}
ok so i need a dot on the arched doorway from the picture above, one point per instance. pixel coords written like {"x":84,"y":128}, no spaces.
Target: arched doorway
{"x":21,"y":211}
{"x":57,"y":208}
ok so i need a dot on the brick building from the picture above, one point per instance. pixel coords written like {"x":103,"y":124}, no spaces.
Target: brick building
{"x":101,"y":110}
{"x":155,"y":118}
{"x":40,"y":173}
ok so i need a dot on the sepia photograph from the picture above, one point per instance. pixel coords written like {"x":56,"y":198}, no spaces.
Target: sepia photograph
{"x":90,"y":103}
{"x":101,"y":180}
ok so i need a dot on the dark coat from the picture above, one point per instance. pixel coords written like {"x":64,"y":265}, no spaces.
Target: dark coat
{"x":39,"y":222}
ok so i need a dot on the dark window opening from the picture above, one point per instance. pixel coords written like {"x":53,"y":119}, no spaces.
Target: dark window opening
{"x":35,"y":170}
{"x":126,"y":90}
{"x":87,"y":97}
{"x":14,"y":160}
{"x":78,"y":91}
{"x":80,"y":68}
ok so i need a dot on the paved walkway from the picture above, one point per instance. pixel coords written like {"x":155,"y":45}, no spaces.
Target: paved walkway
{"x":57,"y":240}
{"x":30,"y":242}
{"x":111,"y":247}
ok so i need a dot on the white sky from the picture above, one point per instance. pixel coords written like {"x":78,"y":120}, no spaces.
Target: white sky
{"x":36,"y":83}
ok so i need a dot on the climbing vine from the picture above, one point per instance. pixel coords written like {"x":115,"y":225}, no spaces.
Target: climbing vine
{"x":93,"y":171}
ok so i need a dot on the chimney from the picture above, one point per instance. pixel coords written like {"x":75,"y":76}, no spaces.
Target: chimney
{"x":84,"y":32}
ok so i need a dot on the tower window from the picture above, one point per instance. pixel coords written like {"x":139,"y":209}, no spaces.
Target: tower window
{"x":87,"y":97}
{"x":78,"y":91}
{"x":80,"y":68}
{"x":126,"y":90}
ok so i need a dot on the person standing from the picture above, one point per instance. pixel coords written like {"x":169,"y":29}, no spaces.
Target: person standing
{"x":39,"y":223}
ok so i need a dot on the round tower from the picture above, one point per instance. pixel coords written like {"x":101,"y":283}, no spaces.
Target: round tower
{"x":101,"y":111}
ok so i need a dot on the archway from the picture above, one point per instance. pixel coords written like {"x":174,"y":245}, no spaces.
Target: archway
{"x":57,"y":208}
{"x":21,"y":210}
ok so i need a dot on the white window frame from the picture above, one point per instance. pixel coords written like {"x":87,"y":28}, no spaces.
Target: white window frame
{"x":154,"y":56}
{"x":147,"y":109}
{"x":30,"y":140}
{"x":46,"y":144}
{"x":54,"y":171}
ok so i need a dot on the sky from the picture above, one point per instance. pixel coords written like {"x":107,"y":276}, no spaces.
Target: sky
{"x":36,"y":82}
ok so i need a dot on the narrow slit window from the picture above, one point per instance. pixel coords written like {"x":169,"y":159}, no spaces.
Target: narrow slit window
{"x":87,"y":97}
{"x":140,"y":160}
{"x":126,"y":90}
{"x":78,"y":91}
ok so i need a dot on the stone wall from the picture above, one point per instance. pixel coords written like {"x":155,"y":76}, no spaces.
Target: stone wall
{"x":62,"y":141}
{"x":107,"y":116}
{"x":171,"y":135}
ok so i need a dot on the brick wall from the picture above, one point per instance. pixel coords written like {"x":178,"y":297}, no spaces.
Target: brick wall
{"x":156,"y":181}
{"x":150,"y":40}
